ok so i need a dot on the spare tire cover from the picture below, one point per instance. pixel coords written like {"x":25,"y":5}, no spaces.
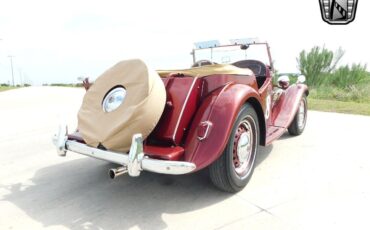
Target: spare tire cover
{"x":139,"y":112}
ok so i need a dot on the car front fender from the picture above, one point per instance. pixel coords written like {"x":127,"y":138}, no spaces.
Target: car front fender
{"x":216,"y":116}
{"x":284,"y":111}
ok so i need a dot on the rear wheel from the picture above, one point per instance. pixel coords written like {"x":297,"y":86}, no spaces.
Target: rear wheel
{"x":232,"y":171}
{"x":299,"y":122}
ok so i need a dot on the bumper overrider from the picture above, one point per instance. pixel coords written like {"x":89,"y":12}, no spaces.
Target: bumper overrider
{"x":132,"y":162}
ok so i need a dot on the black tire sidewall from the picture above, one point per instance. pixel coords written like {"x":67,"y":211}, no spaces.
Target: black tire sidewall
{"x":300,"y":130}
{"x":294,"y":127}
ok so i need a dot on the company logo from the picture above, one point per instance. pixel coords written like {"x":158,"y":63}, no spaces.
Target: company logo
{"x":338,"y":12}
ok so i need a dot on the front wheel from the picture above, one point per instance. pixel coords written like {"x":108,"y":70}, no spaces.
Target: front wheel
{"x":233,"y":170}
{"x":299,"y":122}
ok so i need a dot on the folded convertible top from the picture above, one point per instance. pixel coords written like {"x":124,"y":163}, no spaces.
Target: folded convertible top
{"x":207,"y":70}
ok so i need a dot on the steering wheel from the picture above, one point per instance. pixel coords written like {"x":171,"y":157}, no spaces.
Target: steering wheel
{"x":203,"y":63}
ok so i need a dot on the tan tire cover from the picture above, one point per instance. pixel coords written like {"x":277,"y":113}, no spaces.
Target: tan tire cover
{"x":139,"y":113}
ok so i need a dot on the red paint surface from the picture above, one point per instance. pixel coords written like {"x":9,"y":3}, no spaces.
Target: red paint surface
{"x":220,"y":98}
{"x":76,"y":136}
{"x":274,"y":133}
{"x":284,"y":111}
{"x":220,"y":108}
{"x":264,"y":91}
{"x":287,"y":106}
{"x":182,"y":100}
{"x":213,"y":82}
{"x":164,"y":153}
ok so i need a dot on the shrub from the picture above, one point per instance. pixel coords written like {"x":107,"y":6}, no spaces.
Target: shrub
{"x":318,"y":62}
{"x":346,"y":76}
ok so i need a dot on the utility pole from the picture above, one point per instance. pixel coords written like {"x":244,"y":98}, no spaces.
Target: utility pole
{"x":20,"y":77}
{"x":11,"y":65}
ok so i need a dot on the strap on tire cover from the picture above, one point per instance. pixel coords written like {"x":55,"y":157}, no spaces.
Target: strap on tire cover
{"x":139,"y":112}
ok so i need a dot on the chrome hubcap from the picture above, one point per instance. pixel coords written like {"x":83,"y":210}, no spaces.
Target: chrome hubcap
{"x":301,"y":115}
{"x":243,"y":148}
{"x":114,"y":99}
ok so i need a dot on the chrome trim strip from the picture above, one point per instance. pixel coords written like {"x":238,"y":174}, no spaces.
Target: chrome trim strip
{"x":83,"y":149}
{"x":183,"y":108}
{"x":167,"y":167}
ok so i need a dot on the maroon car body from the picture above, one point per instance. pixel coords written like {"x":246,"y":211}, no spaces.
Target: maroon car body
{"x":201,"y":112}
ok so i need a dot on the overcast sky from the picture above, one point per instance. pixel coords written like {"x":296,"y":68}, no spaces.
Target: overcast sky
{"x":58,"y":41}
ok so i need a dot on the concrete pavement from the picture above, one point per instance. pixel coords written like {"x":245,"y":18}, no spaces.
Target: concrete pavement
{"x":318,"y":180}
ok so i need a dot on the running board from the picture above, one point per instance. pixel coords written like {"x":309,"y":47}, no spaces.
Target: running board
{"x":274,"y":133}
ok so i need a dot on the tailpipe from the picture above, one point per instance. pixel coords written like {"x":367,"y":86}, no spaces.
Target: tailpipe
{"x":113,"y":173}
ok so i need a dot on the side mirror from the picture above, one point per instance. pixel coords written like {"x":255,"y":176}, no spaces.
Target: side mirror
{"x":301,"y":79}
{"x":283,"y":82}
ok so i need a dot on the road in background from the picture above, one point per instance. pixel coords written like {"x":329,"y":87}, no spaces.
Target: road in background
{"x":318,"y":180}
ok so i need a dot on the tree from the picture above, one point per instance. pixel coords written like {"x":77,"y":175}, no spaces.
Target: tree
{"x":318,"y":62}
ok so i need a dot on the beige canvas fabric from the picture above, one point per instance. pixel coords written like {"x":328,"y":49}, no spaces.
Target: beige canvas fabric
{"x":207,"y":70}
{"x":139,"y":112}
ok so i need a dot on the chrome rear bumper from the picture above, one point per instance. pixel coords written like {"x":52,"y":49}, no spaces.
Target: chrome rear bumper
{"x":135,"y":160}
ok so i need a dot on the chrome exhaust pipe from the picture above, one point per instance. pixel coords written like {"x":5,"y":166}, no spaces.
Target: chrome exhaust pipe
{"x":113,"y":173}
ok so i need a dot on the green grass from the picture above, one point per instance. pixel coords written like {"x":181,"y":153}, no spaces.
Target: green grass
{"x":353,"y":93}
{"x":4,"y":88}
{"x":351,"y":98}
{"x":339,"y":106}
{"x":65,"y":85}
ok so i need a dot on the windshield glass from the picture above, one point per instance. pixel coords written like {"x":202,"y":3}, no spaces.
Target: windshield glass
{"x":231,"y":54}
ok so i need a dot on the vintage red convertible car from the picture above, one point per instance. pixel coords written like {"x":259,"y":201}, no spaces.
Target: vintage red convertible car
{"x":215,"y":116}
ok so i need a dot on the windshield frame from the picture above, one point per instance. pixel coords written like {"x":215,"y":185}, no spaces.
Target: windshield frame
{"x":241,"y":46}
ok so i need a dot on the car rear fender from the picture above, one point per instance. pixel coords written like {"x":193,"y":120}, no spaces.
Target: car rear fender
{"x":284,"y":111}
{"x":212,"y":124}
